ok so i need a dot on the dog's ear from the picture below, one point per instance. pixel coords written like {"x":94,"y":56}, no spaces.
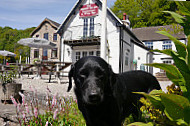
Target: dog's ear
{"x":112,"y":77}
{"x":70,"y":77}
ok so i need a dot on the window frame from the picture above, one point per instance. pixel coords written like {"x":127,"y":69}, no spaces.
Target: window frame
{"x":36,"y":53}
{"x":91,"y":29}
{"x":167,"y":45}
{"x":77,"y":55}
{"x":52,"y":51}
{"x":54,"y":37}
{"x":149,"y":44}
{"x":46,"y":35}
{"x":85,"y":28}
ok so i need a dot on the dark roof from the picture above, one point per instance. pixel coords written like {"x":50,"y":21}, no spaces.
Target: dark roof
{"x":149,"y":33}
{"x":52,"y":23}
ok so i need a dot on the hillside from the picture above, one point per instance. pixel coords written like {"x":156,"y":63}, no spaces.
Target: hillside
{"x":9,"y":38}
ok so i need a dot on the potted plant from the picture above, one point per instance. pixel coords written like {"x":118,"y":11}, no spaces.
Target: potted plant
{"x":8,"y":87}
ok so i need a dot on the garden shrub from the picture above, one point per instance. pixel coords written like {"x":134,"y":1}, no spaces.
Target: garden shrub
{"x":175,"y":105}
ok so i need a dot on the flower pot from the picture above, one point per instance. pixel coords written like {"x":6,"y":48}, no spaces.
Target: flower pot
{"x":8,"y":90}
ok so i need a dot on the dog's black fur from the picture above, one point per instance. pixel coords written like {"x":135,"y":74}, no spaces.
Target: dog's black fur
{"x":106,"y":98}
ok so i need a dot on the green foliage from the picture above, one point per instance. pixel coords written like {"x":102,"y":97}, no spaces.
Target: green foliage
{"x":180,"y":73}
{"x":167,"y":105}
{"x":145,"y":13}
{"x":175,"y":107}
{"x":9,"y":38}
{"x":141,"y":124}
{"x":7,"y":77}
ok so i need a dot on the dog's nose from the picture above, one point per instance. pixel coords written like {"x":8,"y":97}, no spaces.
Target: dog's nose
{"x":93,"y":97}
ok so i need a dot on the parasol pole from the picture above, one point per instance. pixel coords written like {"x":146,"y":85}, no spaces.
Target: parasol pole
{"x":104,"y":31}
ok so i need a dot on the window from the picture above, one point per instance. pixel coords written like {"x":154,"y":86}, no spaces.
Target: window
{"x":149,"y":45}
{"x":54,"y":53}
{"x":97,"y":53}
{"x":167,"y":62}
{"x":77,"y":56}
{"x":54,"y":37}
{"x":37,"y":36}
{"x":167,"y":45}
{"x":36,"y":53}
{"x":91,"y":53}
{"x":46,"y":36}
{"x":85,"y":28}
{"x":92,"y":26}
{"x":126,"y":59}
{"x":84,"y":54}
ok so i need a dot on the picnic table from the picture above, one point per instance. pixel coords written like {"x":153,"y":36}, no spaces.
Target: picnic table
{"x":42,"y":66}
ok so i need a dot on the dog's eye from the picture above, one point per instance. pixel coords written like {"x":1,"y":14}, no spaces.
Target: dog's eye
{"x":83,"y":74}
{"x":99,"y":73}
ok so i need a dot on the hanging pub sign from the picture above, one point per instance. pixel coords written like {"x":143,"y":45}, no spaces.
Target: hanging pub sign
{"x":88,"y":10}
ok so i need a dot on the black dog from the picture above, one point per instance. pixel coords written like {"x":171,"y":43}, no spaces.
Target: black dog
{"x":105,"y":98}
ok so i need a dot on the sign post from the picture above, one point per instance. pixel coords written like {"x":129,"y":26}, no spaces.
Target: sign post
{"x":103,"y":43}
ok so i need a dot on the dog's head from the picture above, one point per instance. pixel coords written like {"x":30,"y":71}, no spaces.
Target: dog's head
{"x":93,"y":78}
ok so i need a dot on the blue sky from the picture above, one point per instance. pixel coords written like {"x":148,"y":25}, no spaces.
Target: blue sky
{"x":21,"y":14}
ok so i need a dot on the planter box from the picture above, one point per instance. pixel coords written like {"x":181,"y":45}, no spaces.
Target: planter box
{"x":10,"y":89}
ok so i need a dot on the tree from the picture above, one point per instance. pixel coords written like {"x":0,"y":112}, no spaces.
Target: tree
{"x":9,"y":38}
{"x":144,"y":13}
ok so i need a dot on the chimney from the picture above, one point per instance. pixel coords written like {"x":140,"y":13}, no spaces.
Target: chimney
{"x":126,"y":20}
{"x":124,"y":16}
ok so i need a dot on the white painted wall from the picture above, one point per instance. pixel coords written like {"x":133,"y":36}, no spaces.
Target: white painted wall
{"x":140,"y":55}
{"x":158,"y":58}
{"x":112,"y":34}
{"x":74,"y":30}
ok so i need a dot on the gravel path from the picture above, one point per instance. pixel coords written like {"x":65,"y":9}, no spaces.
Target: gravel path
{"x":41,"y":86}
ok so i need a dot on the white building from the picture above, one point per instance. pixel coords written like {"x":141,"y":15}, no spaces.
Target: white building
{"x":80,"y":36}
{"x":153,"y":40}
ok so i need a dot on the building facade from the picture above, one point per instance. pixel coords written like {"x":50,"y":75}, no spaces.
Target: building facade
{"x":47,"y":29}
{"x":80,"y":35}
{"x":153,"y":40}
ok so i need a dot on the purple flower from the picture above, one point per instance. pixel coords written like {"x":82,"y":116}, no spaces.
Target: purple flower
{"x":54,"y":101}
{"x":23,"y":115}
{"x":14,"y":101}
{"x":63,"y":108}
{"x":19,"y":107}
{"x":26,"y":107}
{"x":47,"y":123}
{"x":35,"y":112}
{"x":23,"y":98}
{"x":55,"y":114}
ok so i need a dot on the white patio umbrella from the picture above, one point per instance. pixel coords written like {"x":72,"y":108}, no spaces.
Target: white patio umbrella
{"x":6,"y":53}
{"x":37,"y":43}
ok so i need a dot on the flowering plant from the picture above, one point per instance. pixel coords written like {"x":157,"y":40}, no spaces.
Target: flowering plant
{"x":57,"y":111}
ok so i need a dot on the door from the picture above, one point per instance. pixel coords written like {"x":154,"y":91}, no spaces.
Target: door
{"x":45,"y":54}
